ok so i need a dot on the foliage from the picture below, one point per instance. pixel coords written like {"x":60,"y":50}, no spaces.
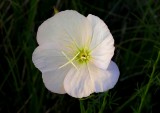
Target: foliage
{"x":135,"y":26}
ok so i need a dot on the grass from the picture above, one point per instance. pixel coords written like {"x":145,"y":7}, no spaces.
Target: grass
{"x":135,"y":26}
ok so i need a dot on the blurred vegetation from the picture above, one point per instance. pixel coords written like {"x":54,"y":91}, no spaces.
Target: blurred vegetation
{"x":135,"y":25}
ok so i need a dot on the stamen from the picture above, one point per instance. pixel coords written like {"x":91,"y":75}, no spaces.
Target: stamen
{"x":83,"y":57}
{"x":69,"y":60}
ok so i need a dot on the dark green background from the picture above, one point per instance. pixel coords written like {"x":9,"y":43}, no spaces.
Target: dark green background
{"x":135,"y":26}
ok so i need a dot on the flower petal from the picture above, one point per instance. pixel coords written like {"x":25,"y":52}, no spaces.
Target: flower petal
{"x":48,"y":57}
{"x":104,"y":79}
{"x":102,"y":54}
{"x":65,"y":26}
{"x":102,"y":44}
{"x":100,"y":31}
{"x":53,"y":80}
{"x":78,"y":83}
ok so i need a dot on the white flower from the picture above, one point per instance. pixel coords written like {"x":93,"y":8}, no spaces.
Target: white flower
{"x":74,"y":54}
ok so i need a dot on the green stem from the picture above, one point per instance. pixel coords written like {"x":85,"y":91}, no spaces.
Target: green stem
{"x":82,"y":106}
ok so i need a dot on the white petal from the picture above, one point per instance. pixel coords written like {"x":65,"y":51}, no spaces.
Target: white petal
{"x":66,"y":26}
{"x":78,"y":83}
{"x":102,"y":43}
{"x":102,"y":54}
{"x":104,"y":79}
{"x":100,"y":31}
{"x":53,"y":80}
{"x":48,"y":57}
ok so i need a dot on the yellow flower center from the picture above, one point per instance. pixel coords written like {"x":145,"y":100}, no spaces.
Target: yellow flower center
{"x":83,"y":56}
